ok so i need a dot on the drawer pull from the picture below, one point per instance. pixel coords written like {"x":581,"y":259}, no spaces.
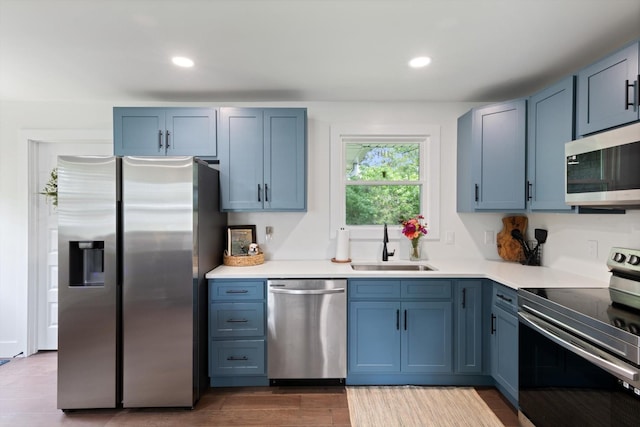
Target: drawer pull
{"x":502,"y":297}
{"x":237,"y":358}
{"x":237,"y":291}
{"x":237,"y":321}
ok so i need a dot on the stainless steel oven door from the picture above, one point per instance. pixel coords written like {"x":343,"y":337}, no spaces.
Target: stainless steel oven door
{"x":566,"y":381}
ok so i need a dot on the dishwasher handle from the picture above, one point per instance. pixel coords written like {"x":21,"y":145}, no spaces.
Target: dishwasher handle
{"x":307,"y":291}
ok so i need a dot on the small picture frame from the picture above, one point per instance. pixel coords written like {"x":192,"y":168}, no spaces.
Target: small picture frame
{"x":239,"y":237}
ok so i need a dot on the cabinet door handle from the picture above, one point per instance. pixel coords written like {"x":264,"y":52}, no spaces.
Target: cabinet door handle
{"x":259,"y":190}
{"x":398,"y":320}
{"x":266,"y":192}
{"x":493,"y":323}
{"x":234,"y":358}
{"x":405,"y":320}
{"x":166,"y":137}
{"x":464,"y":297}
{"x":160,"y":140}
{"x":628,"y":85}
{"x":237,"y":291}
{"x":477,"y":193}
{"x":529,"y":190}
{"x":237,"y":320}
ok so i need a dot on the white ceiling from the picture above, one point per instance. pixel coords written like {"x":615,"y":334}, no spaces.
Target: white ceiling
{"x":301,"y":50}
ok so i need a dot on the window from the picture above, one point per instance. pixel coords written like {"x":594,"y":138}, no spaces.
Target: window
{"x":383,"y":175}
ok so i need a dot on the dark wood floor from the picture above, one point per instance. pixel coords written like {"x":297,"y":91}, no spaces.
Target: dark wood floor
{"x":28,"y":398}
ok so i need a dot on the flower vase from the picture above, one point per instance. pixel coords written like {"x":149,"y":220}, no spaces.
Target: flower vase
{"x":414,"y":254}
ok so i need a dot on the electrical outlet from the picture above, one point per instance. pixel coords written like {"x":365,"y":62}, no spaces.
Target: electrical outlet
{"x":450,"y":237}
{"x":489,"y":237}
{"x":592,"y":248}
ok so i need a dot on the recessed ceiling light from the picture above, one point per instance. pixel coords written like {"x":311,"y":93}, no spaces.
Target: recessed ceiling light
{"x":419,"y":62}
{"x":182,"y":61}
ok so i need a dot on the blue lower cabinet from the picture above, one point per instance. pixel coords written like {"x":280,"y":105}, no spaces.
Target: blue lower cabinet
{"x":237,"y":326}
{"x":237,"y":319}
{"x":469,"y":331}
{"x":504,"y":341}
{"x":426,"y":344}
{"x":374,"y":336}
{"x":400,"y":331}
{"x":238,"y":357}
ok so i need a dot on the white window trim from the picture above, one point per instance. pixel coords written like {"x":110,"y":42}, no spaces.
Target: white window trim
{"x":430,"y":153}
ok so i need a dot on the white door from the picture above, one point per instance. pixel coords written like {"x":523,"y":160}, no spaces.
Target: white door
{"x":47,"y":261}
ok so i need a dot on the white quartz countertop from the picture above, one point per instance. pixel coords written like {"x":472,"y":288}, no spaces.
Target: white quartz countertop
{"x":509,"y":274}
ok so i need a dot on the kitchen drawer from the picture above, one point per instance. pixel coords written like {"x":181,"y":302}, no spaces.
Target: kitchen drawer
{"x":426,"y":288}
{"x":224,"y":290}
{"x":237,"y":319}
{"x":238,"y":358}
{"x":505,"y":298}
{"x":374,"y":289}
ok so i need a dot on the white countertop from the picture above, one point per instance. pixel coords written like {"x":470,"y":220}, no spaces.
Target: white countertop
{"x":509,"y":274}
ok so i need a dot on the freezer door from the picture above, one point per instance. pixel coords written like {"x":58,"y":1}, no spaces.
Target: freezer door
{"x":87,"y":308}
{"x":158,"y":298}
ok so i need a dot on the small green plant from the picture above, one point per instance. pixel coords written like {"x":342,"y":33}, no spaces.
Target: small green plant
{"x":50,"y":190}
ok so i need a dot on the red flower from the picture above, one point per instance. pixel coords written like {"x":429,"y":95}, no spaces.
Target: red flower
{"x":413,"y":228}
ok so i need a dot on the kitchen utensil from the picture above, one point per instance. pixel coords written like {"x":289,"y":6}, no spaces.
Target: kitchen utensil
{"x":534,"y":254}
{"x":541,"y":237}
{"x":517,"y":235}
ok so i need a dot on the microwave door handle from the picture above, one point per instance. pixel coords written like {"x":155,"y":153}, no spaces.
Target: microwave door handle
{"x":613,"y":368}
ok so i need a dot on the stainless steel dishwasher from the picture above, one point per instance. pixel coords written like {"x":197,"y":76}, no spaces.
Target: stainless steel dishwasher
{"x":307,"y":329}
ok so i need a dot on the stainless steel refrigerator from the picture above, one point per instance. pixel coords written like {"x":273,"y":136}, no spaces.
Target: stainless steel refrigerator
{"x":136,"y":235}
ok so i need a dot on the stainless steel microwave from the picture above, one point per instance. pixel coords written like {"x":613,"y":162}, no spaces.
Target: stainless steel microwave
{"x":604,"y":169}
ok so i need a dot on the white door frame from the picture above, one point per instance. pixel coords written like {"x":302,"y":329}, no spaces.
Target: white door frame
{"x":32,"y":138}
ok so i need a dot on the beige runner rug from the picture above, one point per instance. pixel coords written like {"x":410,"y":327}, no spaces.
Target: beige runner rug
{"x":411,"y":406}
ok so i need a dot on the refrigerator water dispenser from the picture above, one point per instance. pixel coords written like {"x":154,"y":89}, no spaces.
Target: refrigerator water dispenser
{"x":86,"y":263}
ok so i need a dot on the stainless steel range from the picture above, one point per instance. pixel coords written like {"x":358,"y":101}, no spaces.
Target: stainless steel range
{"x":579,"y":350}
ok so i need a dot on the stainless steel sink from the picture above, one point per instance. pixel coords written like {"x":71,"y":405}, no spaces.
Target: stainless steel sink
{"x":390,"y":267}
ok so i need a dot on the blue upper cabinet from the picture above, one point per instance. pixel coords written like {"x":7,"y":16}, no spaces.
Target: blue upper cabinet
{"x":491,"y":158}
{"x":263,"y":159}
{"x":551,"y":125}
{"x":241,"y":158}
{"x":608,"y":91}
{"x":164,"y":131}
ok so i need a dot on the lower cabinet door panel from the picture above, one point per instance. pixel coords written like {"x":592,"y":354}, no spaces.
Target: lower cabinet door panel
{"x":237,"y":319}
{"x":376,"y":348}
{"x":238,"y":357}
{"x":427,"y":336}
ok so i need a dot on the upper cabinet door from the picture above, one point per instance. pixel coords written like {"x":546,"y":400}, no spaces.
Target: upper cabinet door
{"x":551,"y":119}
{"x":608,"y":91}
{"x":241,"y":159}
{"x":263,"y":159}
{"x":164,"y":131}
{"x":285,"y":147}
{"x":191,"y":132}
{"x":499,"y":138}
{"x":139,"y":131}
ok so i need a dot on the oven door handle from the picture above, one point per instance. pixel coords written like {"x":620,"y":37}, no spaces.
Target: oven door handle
{"x":552,"y":321}
{"x":550,"y":332}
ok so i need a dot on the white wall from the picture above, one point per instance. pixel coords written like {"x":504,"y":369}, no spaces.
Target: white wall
{"x":296,"y":235}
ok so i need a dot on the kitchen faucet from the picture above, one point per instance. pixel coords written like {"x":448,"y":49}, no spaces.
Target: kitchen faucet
{"x":385,"y":240}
